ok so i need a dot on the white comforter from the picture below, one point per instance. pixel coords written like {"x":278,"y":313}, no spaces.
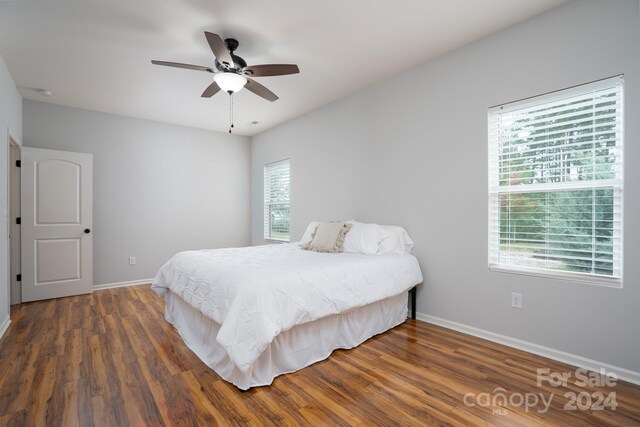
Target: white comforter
{"x":255,"y":293}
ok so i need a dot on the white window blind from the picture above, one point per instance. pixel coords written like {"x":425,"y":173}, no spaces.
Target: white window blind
{"x":555,"y":184}
{"x":277,"y":206}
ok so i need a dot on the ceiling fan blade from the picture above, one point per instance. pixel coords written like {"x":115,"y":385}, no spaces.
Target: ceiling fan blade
{"x":211,"y":90}
{"x":219,"y":49}
{"x":260,"y":90}
{"x":271,"y":70}
{"x":187,"y":66}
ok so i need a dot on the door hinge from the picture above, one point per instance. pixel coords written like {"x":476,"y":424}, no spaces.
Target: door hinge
{"x":19,"y":277}
{"x":18,"y":220}
{"x":18,"y":163}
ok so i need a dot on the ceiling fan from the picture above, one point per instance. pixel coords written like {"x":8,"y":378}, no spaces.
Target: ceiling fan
{"x":231,"y":72}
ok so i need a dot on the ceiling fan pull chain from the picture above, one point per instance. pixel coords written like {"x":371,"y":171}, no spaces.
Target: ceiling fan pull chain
{"x":230,"y":111}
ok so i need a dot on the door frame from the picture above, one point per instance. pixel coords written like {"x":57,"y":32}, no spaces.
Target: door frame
{"x":11,"y":141}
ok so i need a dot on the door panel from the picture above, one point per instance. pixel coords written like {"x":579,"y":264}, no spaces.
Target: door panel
{"x":57,"y":189}
{"x":56,"y":209}
{"x":57,"y":260}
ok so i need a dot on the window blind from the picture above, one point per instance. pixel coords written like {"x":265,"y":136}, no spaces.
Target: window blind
{"x":555,"y":184}
{"x":277,"y":206}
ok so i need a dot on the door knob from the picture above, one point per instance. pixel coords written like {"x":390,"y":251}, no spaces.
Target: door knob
{"x":87,"y":230}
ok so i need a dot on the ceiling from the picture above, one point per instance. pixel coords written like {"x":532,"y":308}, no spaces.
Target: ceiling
{"x":95,"y":54}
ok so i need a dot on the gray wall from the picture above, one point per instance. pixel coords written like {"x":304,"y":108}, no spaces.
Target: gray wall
{"x":158,"y":188}
{"x":412,"y":150}
{"x":10,"y":117}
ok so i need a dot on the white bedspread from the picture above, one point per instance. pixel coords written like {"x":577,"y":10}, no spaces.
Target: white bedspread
{"x":255,"y":293}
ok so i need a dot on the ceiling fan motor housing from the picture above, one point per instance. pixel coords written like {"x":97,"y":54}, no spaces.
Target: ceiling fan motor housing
{"x":238,"y":62}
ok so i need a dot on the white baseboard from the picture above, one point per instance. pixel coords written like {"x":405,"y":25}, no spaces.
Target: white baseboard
{"x":122,"y":284}
{"x":561,"y":356}
{"x":4,"y":326}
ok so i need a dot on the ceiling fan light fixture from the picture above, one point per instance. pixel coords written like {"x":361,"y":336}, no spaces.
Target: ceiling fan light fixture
{"x":230,"y":82}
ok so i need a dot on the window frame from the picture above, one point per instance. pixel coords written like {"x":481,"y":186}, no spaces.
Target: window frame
{"x":494,"y":193}
{"x":268,"y":203}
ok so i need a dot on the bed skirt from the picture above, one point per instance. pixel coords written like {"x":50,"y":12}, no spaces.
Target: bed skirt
{"x":290,"y":351}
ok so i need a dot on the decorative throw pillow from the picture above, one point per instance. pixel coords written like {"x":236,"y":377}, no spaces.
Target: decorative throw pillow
{"x":308,"y":234}
{"x":328,"y":237}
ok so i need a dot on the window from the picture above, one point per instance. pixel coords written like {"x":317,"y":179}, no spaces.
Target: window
{"x":555,"y":184}
{"x":277,"y":206}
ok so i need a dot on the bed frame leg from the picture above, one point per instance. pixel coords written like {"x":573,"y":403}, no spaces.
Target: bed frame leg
{"x":412,"y":294}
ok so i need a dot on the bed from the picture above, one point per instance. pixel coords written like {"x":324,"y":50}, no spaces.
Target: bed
{"x":254,"y":313}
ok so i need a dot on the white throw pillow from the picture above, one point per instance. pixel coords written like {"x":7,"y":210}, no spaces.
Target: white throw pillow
{"x":308,"y":234}
{"x":364,"y":238}
{"x":397,"y":241}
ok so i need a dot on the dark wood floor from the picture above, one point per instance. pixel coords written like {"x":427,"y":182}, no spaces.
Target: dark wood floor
{"x":111,"y":359}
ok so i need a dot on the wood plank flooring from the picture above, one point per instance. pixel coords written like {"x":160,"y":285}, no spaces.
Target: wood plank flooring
{"x":110,"y":359}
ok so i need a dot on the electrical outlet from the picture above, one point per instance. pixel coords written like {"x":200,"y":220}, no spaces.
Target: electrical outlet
{"x":516,"y":300}
{"x":132,"y":260}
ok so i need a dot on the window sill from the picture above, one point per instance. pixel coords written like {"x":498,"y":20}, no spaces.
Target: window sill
{"x":609,"y":282}
{"x":277,"y":240}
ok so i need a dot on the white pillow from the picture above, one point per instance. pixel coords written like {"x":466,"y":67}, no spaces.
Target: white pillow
{"x":397,"y":241}
{"x":306,"y":237}
{"x":363,"y":238}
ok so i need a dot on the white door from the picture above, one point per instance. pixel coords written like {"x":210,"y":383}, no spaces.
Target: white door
{"x":57,"y":239}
